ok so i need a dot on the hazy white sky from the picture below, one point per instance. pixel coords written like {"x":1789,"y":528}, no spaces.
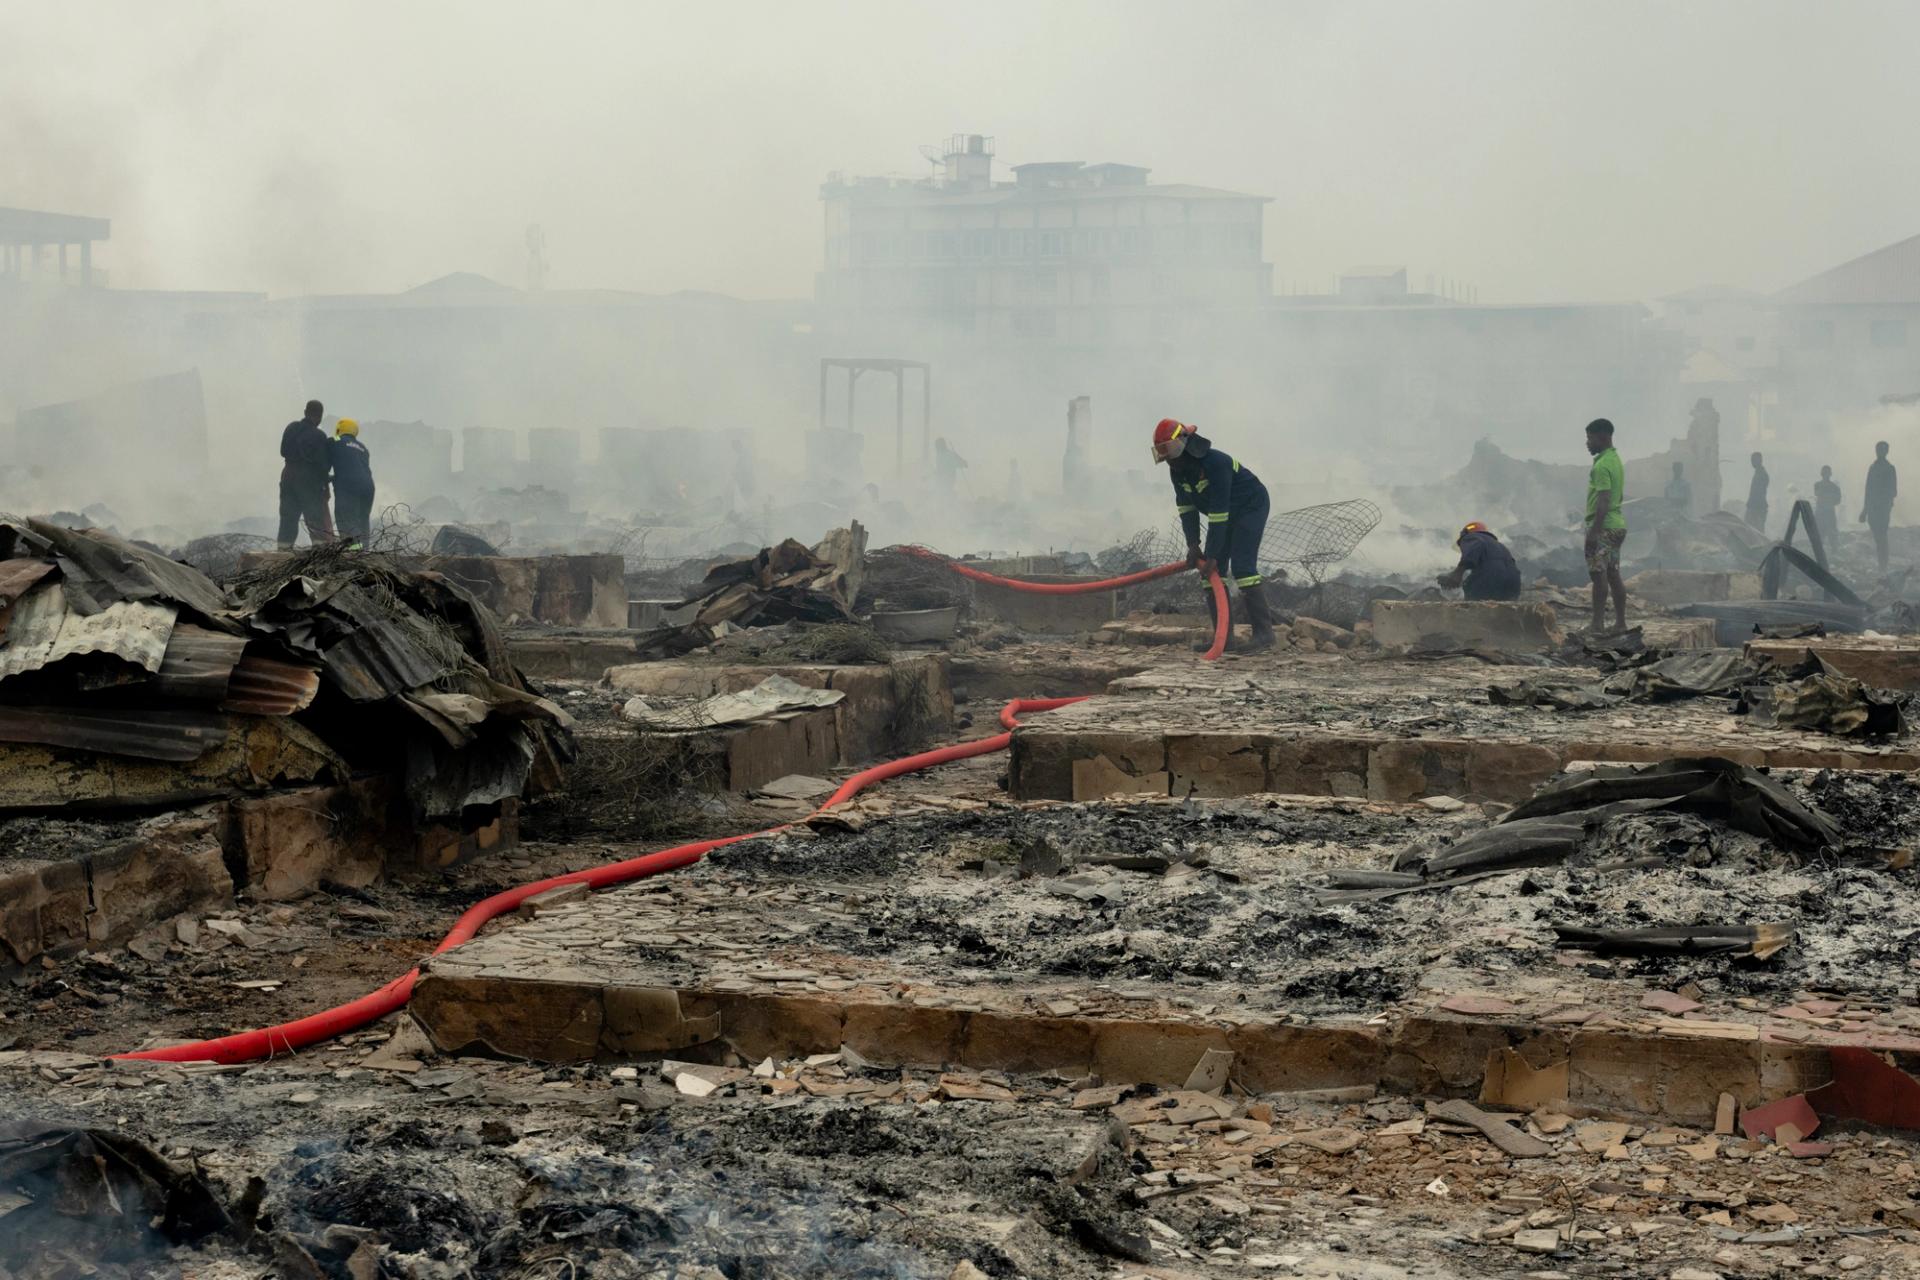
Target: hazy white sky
{"x":1596,"y":150}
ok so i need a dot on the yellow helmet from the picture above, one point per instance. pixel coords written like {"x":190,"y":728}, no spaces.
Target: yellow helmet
{"x":346,"y":427}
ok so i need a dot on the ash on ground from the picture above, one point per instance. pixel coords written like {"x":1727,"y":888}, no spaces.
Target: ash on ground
{"x":1229,"y":892}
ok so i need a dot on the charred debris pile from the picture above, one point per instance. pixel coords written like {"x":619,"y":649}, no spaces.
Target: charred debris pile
{"x":132,"y":682}
{"x":785,"y":584}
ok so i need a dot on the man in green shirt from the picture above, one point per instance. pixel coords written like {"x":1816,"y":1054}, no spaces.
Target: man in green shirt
{"x":1606,"y":525}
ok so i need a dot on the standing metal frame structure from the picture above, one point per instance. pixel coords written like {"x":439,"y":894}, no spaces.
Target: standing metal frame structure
{"x":855,"y":366}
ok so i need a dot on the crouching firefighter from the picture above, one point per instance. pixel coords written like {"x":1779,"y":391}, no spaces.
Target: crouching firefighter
{"x":1486,"y":570}
{"x":1213,"y":490}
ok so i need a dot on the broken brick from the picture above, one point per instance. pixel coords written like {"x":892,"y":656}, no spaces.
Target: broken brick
{"x":1762,"y":1121}
{"x":1670,"y":1002}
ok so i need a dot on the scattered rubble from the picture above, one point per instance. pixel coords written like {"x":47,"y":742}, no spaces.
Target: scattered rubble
{"x":1687,"y":901}
{"x":787,"y":583}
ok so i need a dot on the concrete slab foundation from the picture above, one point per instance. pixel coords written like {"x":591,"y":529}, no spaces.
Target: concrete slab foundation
{"x":1882,"y":662}
{"x":286,"y":844}
{"x":1447,"y":625}
{"x":910,"y":693}
{"x":994,"y":677}
{"x":174,"y":864}
{"x":571,"y":657}
{"x":1677,"y":633}
{"x":280,"y":846}
{"x":686,"y":965}
{"x":1388,"y":730}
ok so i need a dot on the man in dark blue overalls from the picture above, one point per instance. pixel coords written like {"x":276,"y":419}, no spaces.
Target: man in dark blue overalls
{"x":1212,"y":489}
{"x":1487,"y":570}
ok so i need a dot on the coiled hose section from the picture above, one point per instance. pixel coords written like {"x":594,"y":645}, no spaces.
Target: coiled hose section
{"x":267,"y":1042}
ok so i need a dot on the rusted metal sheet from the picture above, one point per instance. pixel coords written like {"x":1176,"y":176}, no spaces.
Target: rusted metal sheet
{"x":42,"y":629}
{"x":142,"y":733}
{"x":198,"y":665}
{"x":18,"y":575}
{"x":263,"y":686}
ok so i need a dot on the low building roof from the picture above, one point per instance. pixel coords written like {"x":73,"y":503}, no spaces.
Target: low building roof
{"x":1889,"y":276}
{"x":32,"y":226}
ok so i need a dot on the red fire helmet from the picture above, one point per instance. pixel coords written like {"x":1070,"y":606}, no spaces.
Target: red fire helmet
{"x":1170,"y":439}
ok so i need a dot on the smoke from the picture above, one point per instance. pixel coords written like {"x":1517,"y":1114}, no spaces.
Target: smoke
{"x":1567,"y":162}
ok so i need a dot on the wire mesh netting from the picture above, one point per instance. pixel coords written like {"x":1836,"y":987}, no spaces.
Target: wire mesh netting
{"x":1310,"y":539}
{"x":1314,"y":538}
{"x":1144,"y":550}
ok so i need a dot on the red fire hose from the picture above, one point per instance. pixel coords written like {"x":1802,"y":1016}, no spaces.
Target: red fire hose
{"x":247,"y":1046}
{"x":1222,"y":628}
{"x":1049,"y":588}
{"x":266,"y":1042}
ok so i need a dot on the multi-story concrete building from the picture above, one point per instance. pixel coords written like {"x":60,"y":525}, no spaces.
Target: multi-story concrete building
{"x":1067,"y":251}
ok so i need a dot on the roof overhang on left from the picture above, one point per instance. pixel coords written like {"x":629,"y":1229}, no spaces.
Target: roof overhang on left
{"x":33,"y":226}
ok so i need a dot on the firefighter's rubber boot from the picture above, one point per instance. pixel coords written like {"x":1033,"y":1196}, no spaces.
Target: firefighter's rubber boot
{"x":1213,"y":625}
{"x":1260,"y":615}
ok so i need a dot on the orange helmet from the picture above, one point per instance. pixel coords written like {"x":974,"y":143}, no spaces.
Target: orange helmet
{"x":1472,"y":526}
{"x":1170,"y":439}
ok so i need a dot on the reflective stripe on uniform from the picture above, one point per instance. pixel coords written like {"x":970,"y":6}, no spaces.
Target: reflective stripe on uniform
{"x":1251,"y":580}
{"x":1217,"y":517}
{"x":1236,"y":466}
{"x":1183,"y":510}
{"x":1201,"y":487}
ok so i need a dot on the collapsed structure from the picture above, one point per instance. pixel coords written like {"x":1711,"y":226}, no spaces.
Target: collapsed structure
{"x":328,"y":718}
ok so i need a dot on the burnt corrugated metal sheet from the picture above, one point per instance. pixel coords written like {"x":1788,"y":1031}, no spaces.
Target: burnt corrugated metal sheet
{"x":17,"y":575}
{"x":43,"y":629}
{"x":264,"y":686}
{"x":101,"y":568}
{"x":197,"y":665}
{"x":142,"y":733}
{"x":377,"y":658}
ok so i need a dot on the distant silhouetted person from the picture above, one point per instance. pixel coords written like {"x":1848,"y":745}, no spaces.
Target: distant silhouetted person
{"x":1757,"y":497}
{"x":1826,"y":506}
{"x":1704,"y":415}
{"x":1680,"y":490}
{"x":1883,"y":485}
{"x":947,"y":466}
{"x":743,"y":478}
{"x":303,"y":479}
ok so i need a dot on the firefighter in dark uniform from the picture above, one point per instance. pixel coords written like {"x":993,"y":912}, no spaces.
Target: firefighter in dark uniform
{"x":1486,"y":570}
{"x":1212,"y":489}
{"x":352,"y":483}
